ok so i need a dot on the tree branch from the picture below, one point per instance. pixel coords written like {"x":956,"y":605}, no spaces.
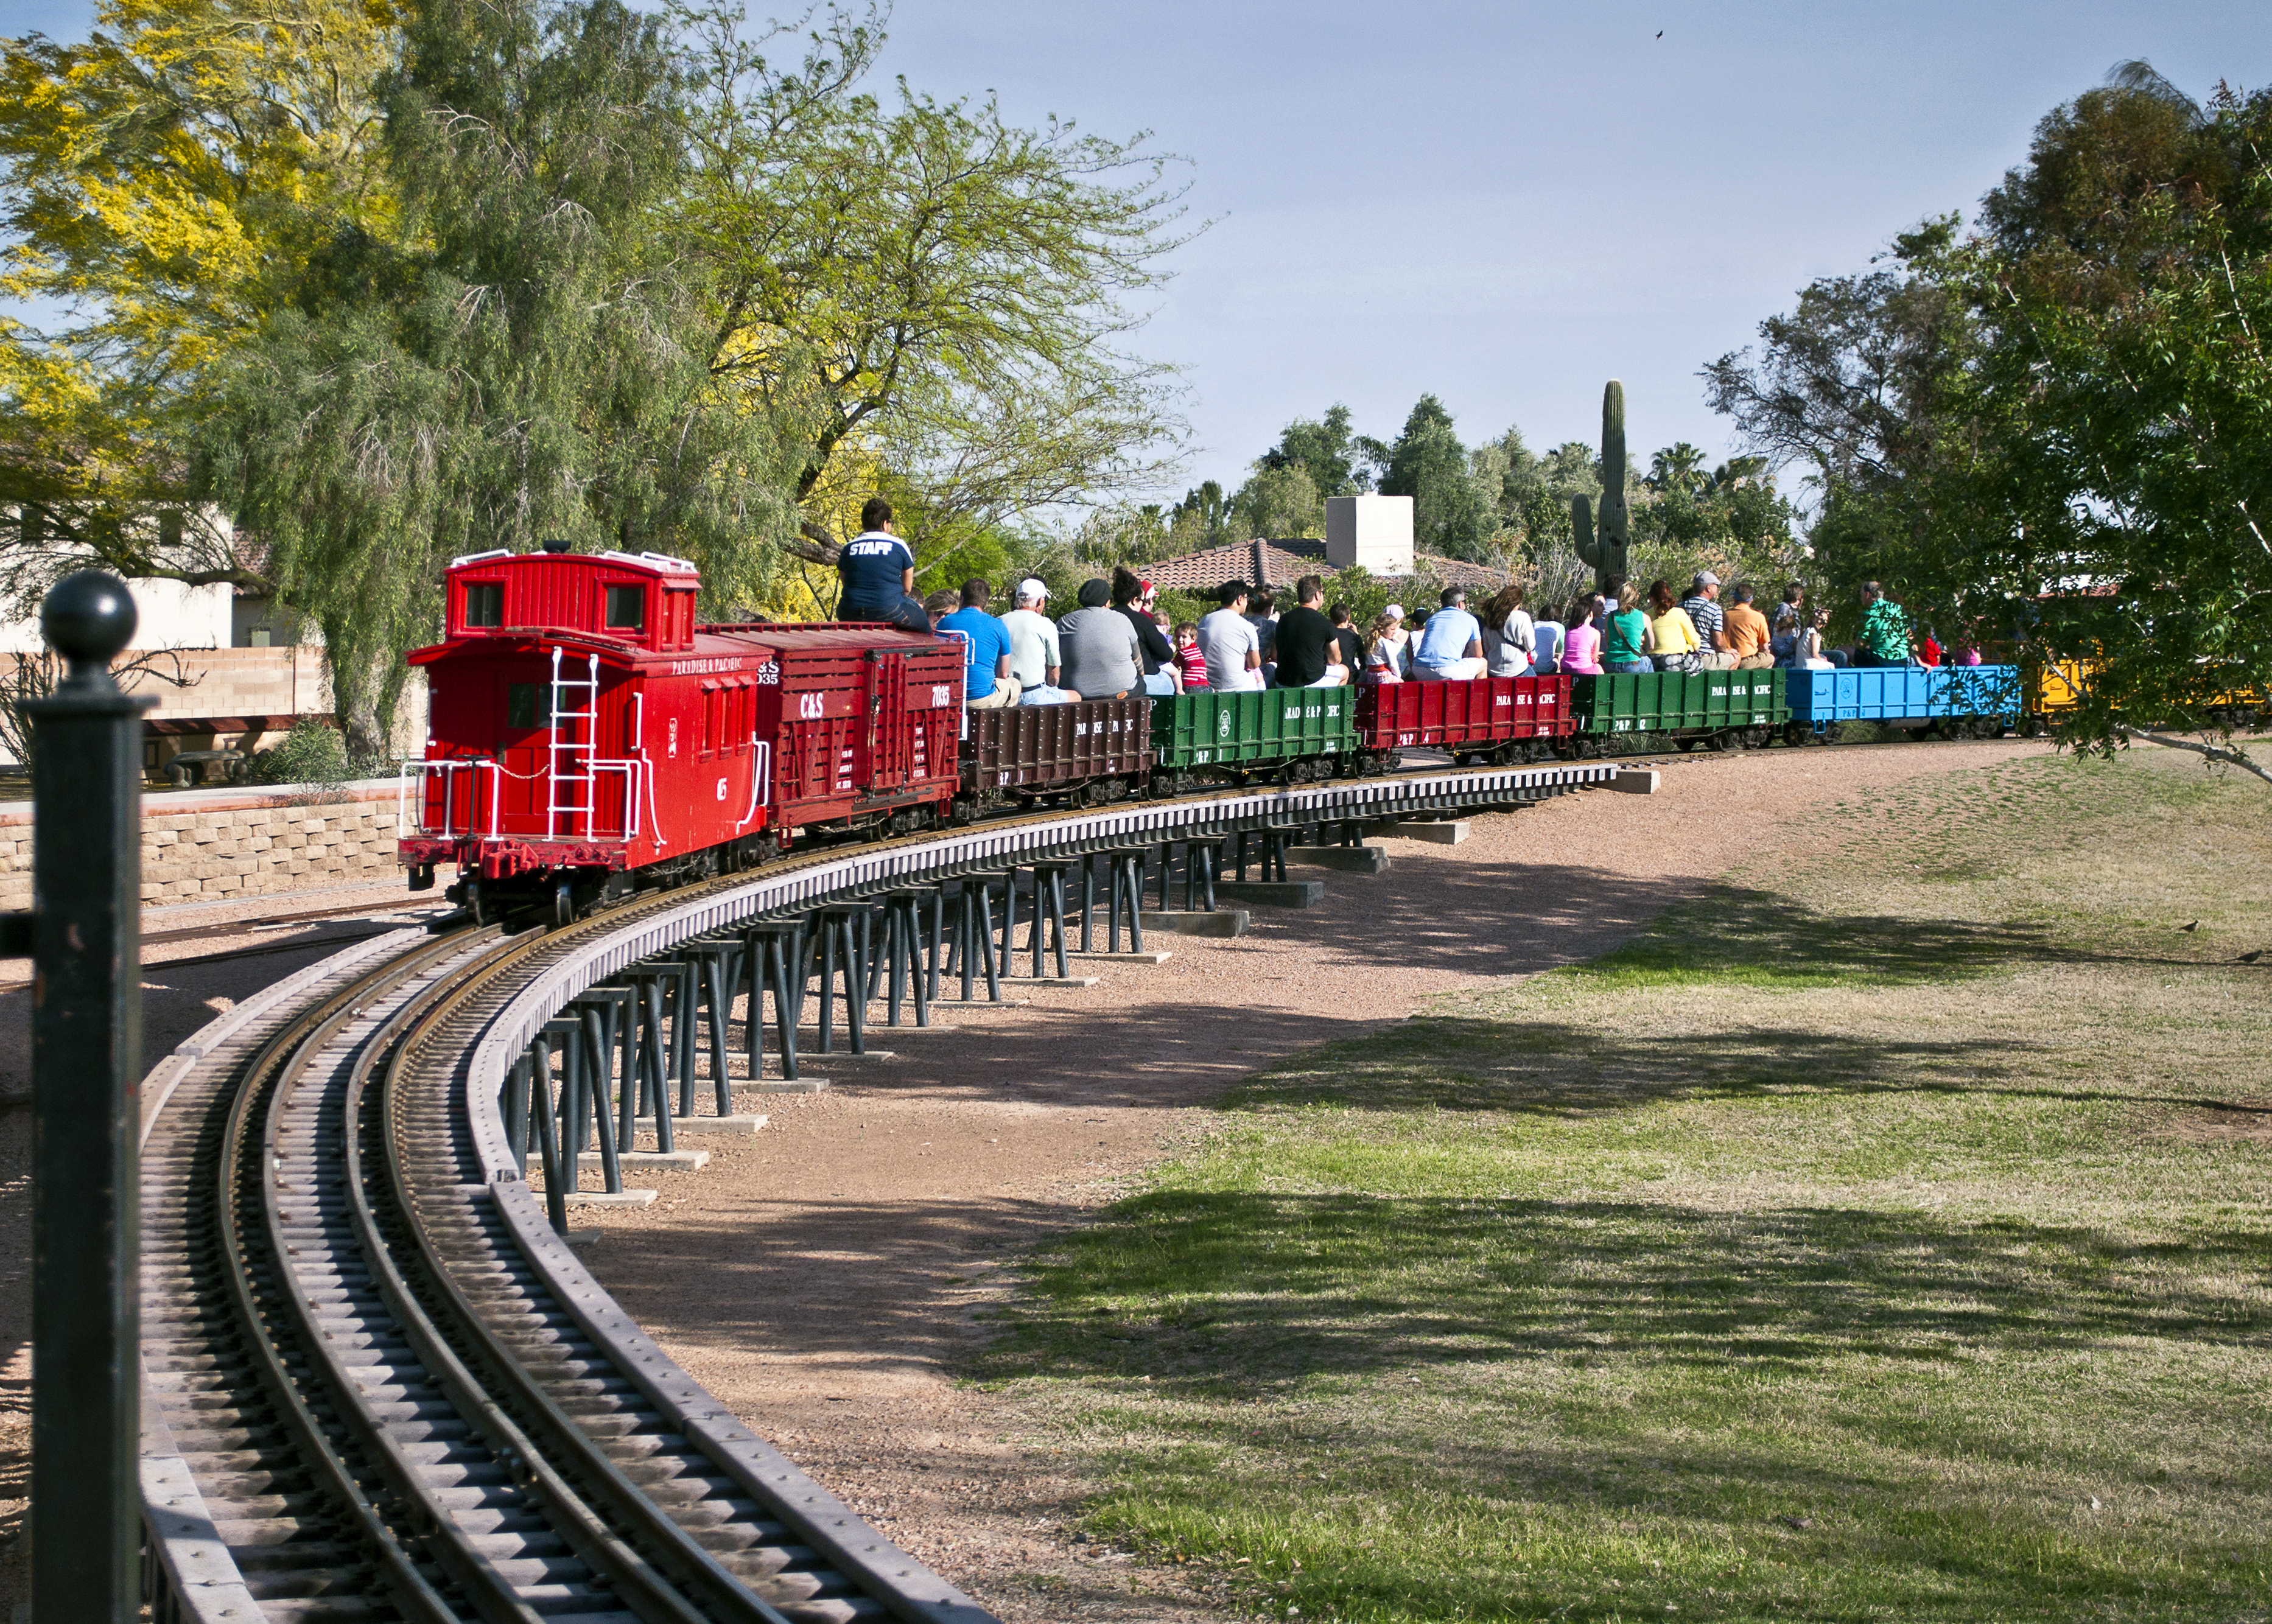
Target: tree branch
{"x":813,"y":544}
{"x":2231,"y":758}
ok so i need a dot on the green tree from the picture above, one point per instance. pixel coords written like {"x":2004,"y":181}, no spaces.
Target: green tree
{"x":1678,"y":467}
{"x":162,"y":180}
{"x":2056,"y":428}
{"x":521,"y":361}
{"x":1324,"y":449}
{"x":1451,"y":515}
{"x":2124,"y":400}
{"x":920,"y":297}
{"x":1278,"y":502}
{"x":1203,"y":518}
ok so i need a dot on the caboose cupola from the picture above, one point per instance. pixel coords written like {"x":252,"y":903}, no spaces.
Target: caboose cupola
{"x":646,"y":599}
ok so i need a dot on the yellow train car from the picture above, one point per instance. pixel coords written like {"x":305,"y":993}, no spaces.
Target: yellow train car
{"x":2052,"y":688}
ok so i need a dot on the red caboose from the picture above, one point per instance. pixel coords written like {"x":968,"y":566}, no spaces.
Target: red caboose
{"x":586,"y":734}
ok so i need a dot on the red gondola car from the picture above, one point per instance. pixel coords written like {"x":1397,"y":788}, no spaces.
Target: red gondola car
{"x":1499,"y":719}
{"x":585,"y":732}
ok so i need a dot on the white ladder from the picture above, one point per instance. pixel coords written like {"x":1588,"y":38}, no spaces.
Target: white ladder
{"x":573,"y":731}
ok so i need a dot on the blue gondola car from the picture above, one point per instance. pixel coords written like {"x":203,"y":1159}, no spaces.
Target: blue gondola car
{"x":1959,"y":701}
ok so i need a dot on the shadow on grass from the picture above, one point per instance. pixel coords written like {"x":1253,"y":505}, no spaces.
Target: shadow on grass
{"x":1232,"y":1291}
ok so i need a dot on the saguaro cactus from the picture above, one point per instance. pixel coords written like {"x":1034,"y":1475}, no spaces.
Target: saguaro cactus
{"x":1603,"y":544}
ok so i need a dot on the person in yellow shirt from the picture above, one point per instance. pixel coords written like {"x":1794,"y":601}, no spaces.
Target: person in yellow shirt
{"x":1672,"y":642}
{"x":1747,"y":631}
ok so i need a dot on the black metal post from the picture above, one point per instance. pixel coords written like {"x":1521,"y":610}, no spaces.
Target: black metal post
{"x":86,"y":1059}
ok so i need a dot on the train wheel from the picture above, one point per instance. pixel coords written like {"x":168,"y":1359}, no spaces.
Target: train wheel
{"x":563,"y":904}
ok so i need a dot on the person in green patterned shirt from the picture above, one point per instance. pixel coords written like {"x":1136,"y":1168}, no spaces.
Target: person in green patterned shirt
{"x":1884,"y":630}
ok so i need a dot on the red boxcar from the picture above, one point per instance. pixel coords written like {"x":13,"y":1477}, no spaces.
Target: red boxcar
{"x":584,"y":729}
{"x":1501,"y":719}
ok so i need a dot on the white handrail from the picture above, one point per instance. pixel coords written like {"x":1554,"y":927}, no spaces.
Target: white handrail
{"x":760,"y":774}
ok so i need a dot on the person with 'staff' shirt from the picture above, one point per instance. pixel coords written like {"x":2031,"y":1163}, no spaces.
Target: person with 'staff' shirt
{"x":878,"y":573}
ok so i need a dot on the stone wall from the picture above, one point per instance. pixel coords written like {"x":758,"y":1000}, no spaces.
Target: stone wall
{"x":201,"y":846}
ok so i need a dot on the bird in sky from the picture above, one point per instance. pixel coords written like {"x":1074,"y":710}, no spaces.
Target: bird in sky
{"x":1660,"y":34}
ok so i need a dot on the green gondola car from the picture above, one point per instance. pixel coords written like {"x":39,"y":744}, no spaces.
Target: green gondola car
{"x":1288,"y":735}
{"x":1727,"y":709}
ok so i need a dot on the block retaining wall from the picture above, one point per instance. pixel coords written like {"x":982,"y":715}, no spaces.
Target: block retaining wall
{"x":203,"y":845}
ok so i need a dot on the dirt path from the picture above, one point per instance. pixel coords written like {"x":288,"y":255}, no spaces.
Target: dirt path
{"x":825,"y":1278}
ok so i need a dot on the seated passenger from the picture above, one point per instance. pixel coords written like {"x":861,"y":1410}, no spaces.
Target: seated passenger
{"x":1309,"y":655}
{"x":1348,"y":639}
{"x":1582,"y":644}
{"x":1702,"y":608}
{"x":878,"y":573}
{"x":1673,"y":644}
{"x":1102,"y":659}
{"x":1190,"y":664}
{"x":1747,"y":632}
{"x":1450,"y":648}
{"x":1231,"y":645}
{"x":1034,"y":658}
{"x":1550,"y":635}
{"x":987,"y":684}
{"x":1884,"y":639}
{"x":941,"y":604}
{"x":1807,"y":652}
{"x":1132,"y":600}
{"x":1510,"y":643}
{"x":1385,"y":656}
{"x":1625,"y":643}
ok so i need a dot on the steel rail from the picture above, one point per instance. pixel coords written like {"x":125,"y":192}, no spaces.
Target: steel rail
{"x":440,"y":1056}
{"x":412,"y":1591}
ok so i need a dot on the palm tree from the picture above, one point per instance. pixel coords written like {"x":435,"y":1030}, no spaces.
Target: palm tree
{"x":1677,"y":468}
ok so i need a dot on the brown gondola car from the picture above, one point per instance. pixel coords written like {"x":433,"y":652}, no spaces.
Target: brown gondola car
{"x":1082,"y":755}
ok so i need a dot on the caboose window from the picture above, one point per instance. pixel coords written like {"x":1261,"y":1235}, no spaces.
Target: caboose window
{"x":626,"y":608}
{"x":484,"y":603}
{"x":520,"y":705}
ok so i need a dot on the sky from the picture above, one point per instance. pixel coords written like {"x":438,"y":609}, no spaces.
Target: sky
{"x":1508,"y":204}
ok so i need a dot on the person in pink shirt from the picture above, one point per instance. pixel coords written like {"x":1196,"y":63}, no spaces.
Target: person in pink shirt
{"x":1582,"y":644}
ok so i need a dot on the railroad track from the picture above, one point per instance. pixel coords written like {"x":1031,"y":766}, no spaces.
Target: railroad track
{"x":378,"y":1385}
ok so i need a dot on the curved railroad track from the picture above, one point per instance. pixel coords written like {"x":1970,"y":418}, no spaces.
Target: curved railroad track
{"x":377,"y":1385}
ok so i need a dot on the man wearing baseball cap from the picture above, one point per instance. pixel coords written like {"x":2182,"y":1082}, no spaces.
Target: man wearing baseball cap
{"x":1703,"y":609}
{"x":1035,"y":660}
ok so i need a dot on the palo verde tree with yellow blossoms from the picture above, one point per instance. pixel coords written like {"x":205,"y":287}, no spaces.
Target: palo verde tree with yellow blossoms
{"x":160,"y":185}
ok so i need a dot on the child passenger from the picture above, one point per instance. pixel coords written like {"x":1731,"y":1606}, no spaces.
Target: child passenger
{"x":1189,"y":659}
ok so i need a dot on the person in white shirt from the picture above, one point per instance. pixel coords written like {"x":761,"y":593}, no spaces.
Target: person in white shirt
{"x":1510,"y":644}
{"x":1035,"y":660}
{"x":1384,"y":651}
{"x":1232,"y":647}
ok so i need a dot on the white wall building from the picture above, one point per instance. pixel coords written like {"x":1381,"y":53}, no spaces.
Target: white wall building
{"x":168,"y":615}
{"x":1375,"y":532}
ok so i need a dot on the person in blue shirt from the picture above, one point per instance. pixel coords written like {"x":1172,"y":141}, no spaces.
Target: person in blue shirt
{"x":1450,"y":646}
{"x":988,"y":685}
{"x":878,"y":574}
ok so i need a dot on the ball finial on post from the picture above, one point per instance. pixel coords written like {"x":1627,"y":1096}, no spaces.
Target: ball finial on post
{"x":88,"y":616}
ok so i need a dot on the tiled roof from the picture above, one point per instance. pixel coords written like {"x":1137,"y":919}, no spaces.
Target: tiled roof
{"x":1457,"y":571}
{"x":1262,"y":563}
{"x":1276,"y":563}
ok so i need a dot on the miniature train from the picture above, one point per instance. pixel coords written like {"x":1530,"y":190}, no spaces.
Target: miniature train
{"x":588,"y":736}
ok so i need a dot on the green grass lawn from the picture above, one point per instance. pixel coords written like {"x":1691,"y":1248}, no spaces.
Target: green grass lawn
{"x":1883,"y":1236}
